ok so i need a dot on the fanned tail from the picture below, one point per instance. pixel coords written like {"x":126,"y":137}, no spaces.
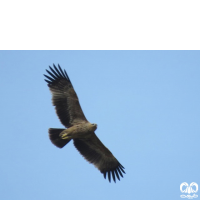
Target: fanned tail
{"x":54,"y":136}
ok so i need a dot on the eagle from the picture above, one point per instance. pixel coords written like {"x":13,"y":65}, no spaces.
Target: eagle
{"x":79,"y":129}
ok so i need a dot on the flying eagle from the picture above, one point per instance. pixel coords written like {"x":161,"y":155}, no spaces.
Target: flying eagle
{"x":69,"y":111}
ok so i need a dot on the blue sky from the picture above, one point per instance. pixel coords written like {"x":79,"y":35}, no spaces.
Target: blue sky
{"x":146,"y":105}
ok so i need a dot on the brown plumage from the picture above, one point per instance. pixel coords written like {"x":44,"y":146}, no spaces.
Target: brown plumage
{"x":69,"y":111}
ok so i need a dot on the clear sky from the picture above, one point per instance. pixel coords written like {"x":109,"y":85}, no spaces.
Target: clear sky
{"x":146,"y":105}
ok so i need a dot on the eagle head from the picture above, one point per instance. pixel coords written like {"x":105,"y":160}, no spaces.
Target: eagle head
{"x":93,"y":126}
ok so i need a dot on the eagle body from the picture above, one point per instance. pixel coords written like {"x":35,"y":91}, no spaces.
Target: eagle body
{"x":83,"y":130}
{"x":79,"y":129}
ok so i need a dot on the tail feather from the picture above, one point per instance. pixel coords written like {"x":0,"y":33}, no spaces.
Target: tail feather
{"x":54,"y":136}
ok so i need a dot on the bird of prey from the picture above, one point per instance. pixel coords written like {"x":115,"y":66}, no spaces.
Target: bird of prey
{"x":79,"y":129}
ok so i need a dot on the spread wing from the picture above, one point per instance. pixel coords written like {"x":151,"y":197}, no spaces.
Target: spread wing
{"x":95,"y":152}
{"x":64,"y":97}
